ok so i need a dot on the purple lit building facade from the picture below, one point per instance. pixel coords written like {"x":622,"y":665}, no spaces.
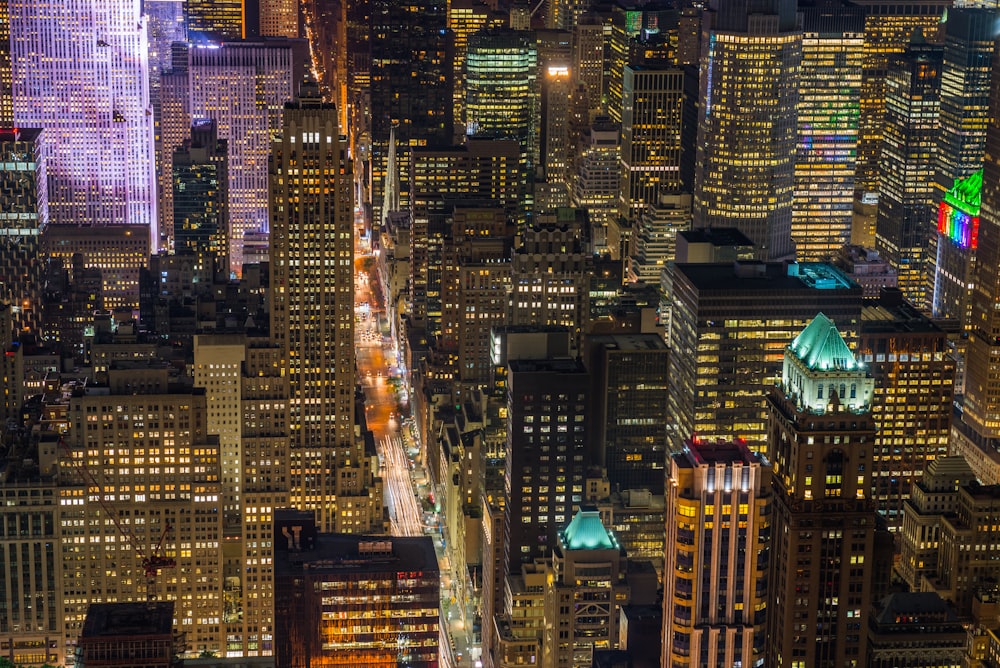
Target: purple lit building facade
{"x":80,"y":72}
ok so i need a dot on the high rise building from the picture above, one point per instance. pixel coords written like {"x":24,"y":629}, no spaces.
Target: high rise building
{"x":551,"y":272}
{"x":828,"y":113}
{"x":588,"y":60}
{"x":910,"y":359}
{"x":466,"y":17}
{"x":201,"y":197}
{"x":715,"y":573}
{"x":86,"y":84}
{"x":502,"y":91}
{"x":588,"y":564}
{"x":820,"y":435}
{"x":654,"y":240}
{"x":412,"y":52}
{"x":547,"y":454}
{"x":958,"y":156}
{"x":481,"y":170}
{"x":555,"y":132}
{"x":595,"y":183}
{"x":365,"y":601}
{"x":243,"y":86}
{"x":312,"y":315}
{"x":6,"y":74}
{"x":888,"y":29}
{"x":216,"y":19}
{"x":957,"y":238}
{"x":120,"y":252}
{"x":652,"y":118}
{"x":747,"y":130}
{"x":169,"y":493}
{"x":902,"y":234}
{"x":630,"y":392}
{"x":279,"y":18}
{"x":24,"y":213}
{"x":934,"y":496}
{"x":728,"y":326}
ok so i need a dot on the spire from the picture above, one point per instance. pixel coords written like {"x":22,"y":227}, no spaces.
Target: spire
{"x":390,"y":198}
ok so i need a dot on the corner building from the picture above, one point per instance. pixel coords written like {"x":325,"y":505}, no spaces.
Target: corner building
{"x":715,"y":572}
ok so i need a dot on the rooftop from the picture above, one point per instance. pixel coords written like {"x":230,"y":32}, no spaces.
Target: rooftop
{"x":348,"y":553}
{"x":129,"y":619}
{"x":822,"y":348}
{"x":697,"y":452}
{"x":769,"y":277}
{"x":586,"y":531}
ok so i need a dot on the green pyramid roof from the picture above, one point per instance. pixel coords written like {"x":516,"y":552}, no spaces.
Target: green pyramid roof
{"x":587,"y":532}
{"x":822,"y":348}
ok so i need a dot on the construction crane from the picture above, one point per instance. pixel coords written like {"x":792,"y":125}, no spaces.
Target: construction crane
{"x":152,"y":562}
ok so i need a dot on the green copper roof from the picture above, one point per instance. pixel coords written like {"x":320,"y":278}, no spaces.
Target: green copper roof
{"x":822,"y":348}
{"x":966,"y":194}
{"x":587,"y":532}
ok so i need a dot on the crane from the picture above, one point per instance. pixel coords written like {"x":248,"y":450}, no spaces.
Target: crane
{"x":152,"y":562}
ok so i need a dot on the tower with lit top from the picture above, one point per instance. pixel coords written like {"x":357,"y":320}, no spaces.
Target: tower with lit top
{"x":820,"y":442}
{"x":957,"y":240}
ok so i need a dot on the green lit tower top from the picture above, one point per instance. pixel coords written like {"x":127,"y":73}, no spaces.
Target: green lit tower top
{"x":819,"y":370}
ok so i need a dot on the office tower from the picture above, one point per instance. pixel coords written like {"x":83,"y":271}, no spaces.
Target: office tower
{"x":363,"y":601}
{"x":167,"y":24}
{"x":819,"y":442}
{"x":888,"y":29}
{"x":902,"y":233}
{"x":630,"y":394}
{"x":465,"y":18}
{"x":953,"y":272}
{"x":116,"y":634}
{"x":484,"y":171}
{"x":279,"y":18}
{"x":547,"y":453}
{"x":312,"y":318}
{"x":728,"y":323}
{"x":24,"y":212}
{"x":828,"y":113}
{"x":11,"y":368}
{"x":909,"y":357}
{"x":715,"y":572}
{"x":598,"y":173}
{"x":933,"y":496}
{"x":555,"y":134}
{"x":412,"y":52}
{"x":958,"y":156}
{"x":201,"y":197}
{"x":501,"y":90}
{"x":83,"y":80}
{"x":588,"y":565}
{"x":120,"y":252}
{"x":242,"y":87}
{"x":550,"y":275}
{"x":865,"y":267}
{"x":628,"y":22}
{"x":652,"y":117}
{"x":747,"y":129}
{"x":170,"y":493}
{"x":216,"y":19}
{"x":914,"y":629}
{"x":654,"y":240}
{"x":588,"y":61}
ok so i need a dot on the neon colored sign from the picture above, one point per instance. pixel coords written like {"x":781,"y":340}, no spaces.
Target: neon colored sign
{"x":958,"y":215}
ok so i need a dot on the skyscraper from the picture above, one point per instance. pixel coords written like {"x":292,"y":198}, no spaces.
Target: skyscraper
{"x":902,"y":232}
{"x":242,"y":86}
{"x":829,"y":96}
{"x":715,"y":570}
{"x":279,"y":18}
{"x":965,"y":89}
{"x":819,"y":441}
{"x":80,"y":72}
{"x":216,"y":19}
{"x":23,"y":216}
{"x":201,"y":197}
{"x":6,"y":98}
{"x":312,"y":313}
{"x":747,"y":122}
{"x":595,"y":183}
